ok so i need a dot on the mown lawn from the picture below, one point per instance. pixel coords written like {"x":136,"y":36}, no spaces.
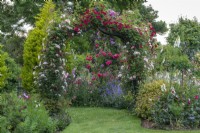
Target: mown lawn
{"x":104,"y":120}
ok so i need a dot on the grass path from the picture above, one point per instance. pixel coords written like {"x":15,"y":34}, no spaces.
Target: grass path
{"x":103,"y":120}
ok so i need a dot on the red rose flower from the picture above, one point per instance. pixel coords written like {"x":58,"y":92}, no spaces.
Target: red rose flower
{"x":89,"y":57}
{"x":87,"y":11}
{"x":99,"y":17}
{"x":76,"y":29}
{"x":93,"y":78}
{"x":97,"y":55}
{"x":196,"y":97}
{"x":103,"y":53}
{"x":115,"y":56}
{"x":104,"y":13}
{"x":109,"y":62}
{"x":120,"y":26}
{"x":110,"y":54}
{"x":96,"y":45}
{"x":88,"y":66}
{"x":100,"y":75}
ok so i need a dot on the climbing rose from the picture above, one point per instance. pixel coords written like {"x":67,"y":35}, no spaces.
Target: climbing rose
{"x":89,"y":57}
{"x":110,"y":54}
{"x":103,"y":53}
{"x":76,"y":29}
{"x":196,"y":97}
{"x":115,"y":56}
{"x":100,"y":75}
{"x":93,"y":78}
{"x":112,"y":13}
{"x":88,"y":66}
{"x":109,"y":62}
{"x":97,"y":45}
{"x":97,"y":55}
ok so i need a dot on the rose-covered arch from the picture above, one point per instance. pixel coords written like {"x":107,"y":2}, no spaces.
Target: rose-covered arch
{"x":51,"y":79}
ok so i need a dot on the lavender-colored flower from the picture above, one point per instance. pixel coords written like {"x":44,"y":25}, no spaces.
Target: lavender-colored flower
{"x":113,"y":89}
{"x":112,"y":13}
{"x":102,"y":65}
{"x":74,"y":72}
{"x":66,"y":75}
{"x":112,"y":41}
{"x":26,"y":96}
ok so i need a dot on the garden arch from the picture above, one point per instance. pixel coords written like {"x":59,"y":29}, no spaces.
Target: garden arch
{"x":52,"y":76}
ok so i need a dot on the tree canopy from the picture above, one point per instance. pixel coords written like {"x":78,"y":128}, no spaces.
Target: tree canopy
{"x":189,"y":33}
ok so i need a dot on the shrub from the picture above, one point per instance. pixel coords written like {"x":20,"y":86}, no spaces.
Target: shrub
{"x":3,"y":68}
{"x":10,"y":111}
{"x":63,"y":120}
{"x":177,"y":108}
{"x":37,"y":120}
{"x":33,"y":43}
{"x":14,"y":74}
{"x":129,"y":101}
{"x":148,"y":94}
{"x":25,"y":114}
{"x":9,"y":72}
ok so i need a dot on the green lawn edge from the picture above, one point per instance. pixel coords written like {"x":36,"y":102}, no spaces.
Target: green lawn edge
{"x":107,"y":120}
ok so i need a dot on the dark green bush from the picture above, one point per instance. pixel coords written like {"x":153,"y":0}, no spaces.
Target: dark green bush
{"x":62,"y":119}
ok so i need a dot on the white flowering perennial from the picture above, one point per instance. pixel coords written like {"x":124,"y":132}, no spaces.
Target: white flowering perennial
{"x":163,"y":88}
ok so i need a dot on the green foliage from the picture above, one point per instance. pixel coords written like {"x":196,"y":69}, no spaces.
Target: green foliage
{"x":172,"y":58}
{"x":69,"y":57}
{"x":147,"y":96}
{"x":197,"y":64}
{"x":12,"y":13}
{"x":9,"y":72}
{"x":37,"y":119}
{"x":189,"y":32}
{"x":33,"y":43}
{"x":129,"y":100}
{"x":13,"y":45}
{"x":119,"y":5}
{"x":12,"y":19}
{"x":160,"y":26}
{"x":22,"y":115}
{"x":3,"y":68}
{"x":14,"y":71}
{"x":63,"y":120}
{"x":150,"y":15}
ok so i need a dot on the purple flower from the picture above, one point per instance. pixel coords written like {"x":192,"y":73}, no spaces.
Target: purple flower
{"x":112,"y":13}
{"x":26,"y":96}
{"x":74,"y":72}
{"x":112,"y":41}
{"x":113,"y":89}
